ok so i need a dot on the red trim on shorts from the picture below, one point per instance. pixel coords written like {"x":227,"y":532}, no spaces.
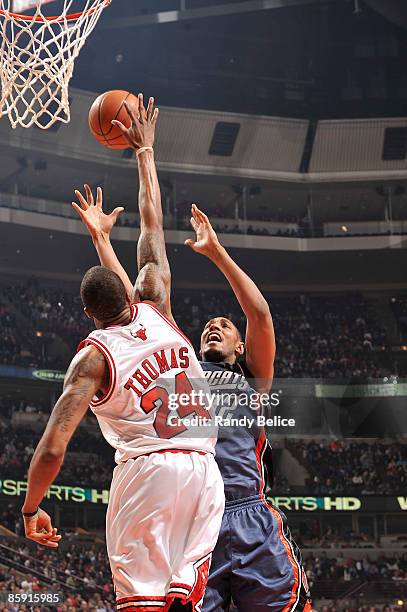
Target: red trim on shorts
{"x":112,"y":370}
{"x":174,"y":327}
{"x":296,"y":588}
{"x":260,"y":448}
{"x":179,"y":589}
{"x":138,"y":603}
{"x":140,"y":607}
{"x":180,"y":585}
{"x":295,"y":591}
{"x":137,"y":598}
{"x":195,"y":594}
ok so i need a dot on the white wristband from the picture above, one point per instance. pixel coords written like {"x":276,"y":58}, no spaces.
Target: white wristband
{"x":142,"y":149}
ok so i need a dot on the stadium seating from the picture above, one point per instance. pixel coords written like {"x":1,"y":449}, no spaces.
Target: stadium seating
{"x":334,"y":336}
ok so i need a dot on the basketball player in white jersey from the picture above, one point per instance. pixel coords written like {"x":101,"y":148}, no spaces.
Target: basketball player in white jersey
{"x":166,"y":498}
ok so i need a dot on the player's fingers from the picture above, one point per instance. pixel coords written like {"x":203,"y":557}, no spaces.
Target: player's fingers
{"x":89,"y":194}
{"x":52,"y":537}
{"x":194,"y":224}
{"x":120,"y":125}
{"x":48,"y":527}
{"x":116,"y":212}
{"x":99,"y":197}
{"x":155,"y":116}
{"x":150,"y":108}
{"x":141,"y":109}
{"x":45,"y":542}
{"x":190,"y":243}
{"x":195,"y":213}
{"x":130,"y":113}
{"x":82,"y":200}
{"x":78,"y":209}
{"x":126,"y":135}
{"x":124,"y":131}
{"x":200,"y":215}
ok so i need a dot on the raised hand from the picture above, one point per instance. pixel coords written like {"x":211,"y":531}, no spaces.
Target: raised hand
{"x":39,"y":529}
{"x":141,"y":132}
{"x":206,"y":242}
{"x":91,"y":213}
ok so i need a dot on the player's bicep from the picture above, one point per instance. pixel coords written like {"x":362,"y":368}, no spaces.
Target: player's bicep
{"x":84,"y":377}
{"x":153,"y":283}
{"x":260,"y":344}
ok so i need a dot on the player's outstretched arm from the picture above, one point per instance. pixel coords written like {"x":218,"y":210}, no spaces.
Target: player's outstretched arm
{"x":260,"y":339}
{"x":153,"y":283}
{"x":99,"y":226}
{"x":87,"y":374}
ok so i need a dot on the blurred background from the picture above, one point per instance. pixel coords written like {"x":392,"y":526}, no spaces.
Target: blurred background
{"x":286,"y":121}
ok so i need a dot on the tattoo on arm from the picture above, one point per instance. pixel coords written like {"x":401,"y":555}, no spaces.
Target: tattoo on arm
{"x":154,"y":279}
{"x":81,"y":382}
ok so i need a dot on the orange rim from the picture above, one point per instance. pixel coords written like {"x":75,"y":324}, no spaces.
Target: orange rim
{"x":44,"y":18}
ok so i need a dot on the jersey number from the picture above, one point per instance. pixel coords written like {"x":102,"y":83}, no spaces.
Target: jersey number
{"x":158,"y":397}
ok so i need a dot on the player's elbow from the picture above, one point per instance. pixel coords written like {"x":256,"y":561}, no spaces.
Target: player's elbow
{"x":261,"y":313}
{"x":51,"y":454}
{"x":166,"y":275}
{"x":151,"y":223}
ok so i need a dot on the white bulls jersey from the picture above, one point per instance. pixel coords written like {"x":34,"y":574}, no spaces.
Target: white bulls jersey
{"x":152,"y":365}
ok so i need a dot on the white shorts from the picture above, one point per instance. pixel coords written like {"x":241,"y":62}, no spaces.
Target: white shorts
{"x":162,"y":523}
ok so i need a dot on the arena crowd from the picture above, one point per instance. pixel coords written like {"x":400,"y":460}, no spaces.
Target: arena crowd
{"x":331,"y":337}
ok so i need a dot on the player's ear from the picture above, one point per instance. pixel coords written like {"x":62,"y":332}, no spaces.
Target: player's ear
{"x":87,"y":313}
{"x":239,"y":350}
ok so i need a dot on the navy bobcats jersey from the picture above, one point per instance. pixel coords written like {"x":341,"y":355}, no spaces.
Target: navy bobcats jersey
{"x":242,"y":451}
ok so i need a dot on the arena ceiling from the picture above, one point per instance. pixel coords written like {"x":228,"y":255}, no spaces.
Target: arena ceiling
{"x":319,"y":59}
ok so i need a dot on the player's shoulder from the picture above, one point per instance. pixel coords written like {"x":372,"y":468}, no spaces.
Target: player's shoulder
{"x":89,"y":361}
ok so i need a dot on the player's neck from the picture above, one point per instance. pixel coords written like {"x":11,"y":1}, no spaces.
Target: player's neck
{"x":123,"y":318}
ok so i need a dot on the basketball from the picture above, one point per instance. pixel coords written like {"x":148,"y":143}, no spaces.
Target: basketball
{"x":108,"y":106}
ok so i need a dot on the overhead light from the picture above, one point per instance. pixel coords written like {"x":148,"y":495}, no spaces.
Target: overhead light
{"x":344,"y":228}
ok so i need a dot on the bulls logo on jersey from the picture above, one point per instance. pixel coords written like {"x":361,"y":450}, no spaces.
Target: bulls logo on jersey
{"x":140,"y":333}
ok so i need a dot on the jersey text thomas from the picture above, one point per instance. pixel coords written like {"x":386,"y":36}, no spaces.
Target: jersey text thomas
{"x":150,"y":360}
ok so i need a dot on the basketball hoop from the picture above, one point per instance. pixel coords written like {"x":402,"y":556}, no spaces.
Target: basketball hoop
{"x":37,"y":57}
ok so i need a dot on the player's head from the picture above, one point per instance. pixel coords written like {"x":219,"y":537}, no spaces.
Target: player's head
{"x":103,"y":295}
{"x":221,"y":341}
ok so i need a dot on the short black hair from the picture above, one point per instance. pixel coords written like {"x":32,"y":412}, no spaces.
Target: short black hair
{"x":103,"y":293}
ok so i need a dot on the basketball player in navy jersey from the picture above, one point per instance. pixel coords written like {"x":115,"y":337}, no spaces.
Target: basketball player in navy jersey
{"x":255,"y":563}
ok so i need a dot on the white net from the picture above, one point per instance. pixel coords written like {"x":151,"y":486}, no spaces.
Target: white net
{"x":37,"y":57}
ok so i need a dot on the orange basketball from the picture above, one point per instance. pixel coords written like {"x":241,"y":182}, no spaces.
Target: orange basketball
{"x":108,"y":106}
